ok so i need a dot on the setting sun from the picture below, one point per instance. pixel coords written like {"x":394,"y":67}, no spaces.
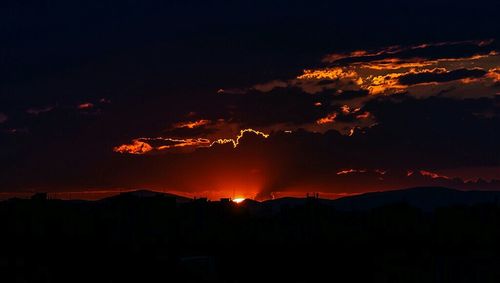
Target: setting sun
{"x":238,"y":200}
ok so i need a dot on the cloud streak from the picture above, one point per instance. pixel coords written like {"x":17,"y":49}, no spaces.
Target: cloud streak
{"x":158,"y":144}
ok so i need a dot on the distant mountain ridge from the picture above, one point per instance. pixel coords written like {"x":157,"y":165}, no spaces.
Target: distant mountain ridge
{"x":145,"y":194}
{"x":425,"y":198}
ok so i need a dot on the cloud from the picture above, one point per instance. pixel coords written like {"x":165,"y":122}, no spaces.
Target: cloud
{"x":136,"y":147}
{"x":330,"y":118}
{"x":433,"y":175}
{"x":151,"y":145}
{"x":159,"y":144}
{"x":266,"y":87}
{"x":191,"y":124}
{"x":310,"y":99}
{"x":440,"y":75}
{"x":494,"y":74}
{"x":334,"y":98}
{"x":351,"y":171}
{"x":392,"y":70}
{"x":235,"y":142}
{"x":3,"y":117}
{"x":37,"y":111}
{"x":86,"y":105}
{"x":427,"y":53}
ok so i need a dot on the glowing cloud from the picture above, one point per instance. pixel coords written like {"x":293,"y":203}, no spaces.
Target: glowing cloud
{"x":330,"y":118}
{"x":365,"y":115}
{"x":236,"y":141}
{"x":191,"y":124}
{"x":86,"y":105}
{"x":433,"y":175}
{"x":350,"y":171}
{"x":494,"y":74}
{"x":136,"y":147}
{"x":328,"y":74}
{"x":146,"y":145}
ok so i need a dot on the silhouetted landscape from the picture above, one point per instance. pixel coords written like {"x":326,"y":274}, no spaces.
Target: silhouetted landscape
{"x":426,"y":234}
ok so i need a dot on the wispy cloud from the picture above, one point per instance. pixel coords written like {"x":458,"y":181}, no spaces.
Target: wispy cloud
{"x":159,"y":144}
{"x":191,"y":124}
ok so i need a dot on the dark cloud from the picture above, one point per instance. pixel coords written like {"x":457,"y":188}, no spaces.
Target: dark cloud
{"x":424,"y":52}
{"x":440,"y":76}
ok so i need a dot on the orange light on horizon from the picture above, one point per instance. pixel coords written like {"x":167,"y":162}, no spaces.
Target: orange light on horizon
{"x":238,"y":200}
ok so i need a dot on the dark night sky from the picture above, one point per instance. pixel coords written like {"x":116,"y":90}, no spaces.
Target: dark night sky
{"x":342,"y":97}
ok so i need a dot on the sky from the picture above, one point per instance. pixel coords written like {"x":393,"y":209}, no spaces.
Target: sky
{"x":257,"y":99}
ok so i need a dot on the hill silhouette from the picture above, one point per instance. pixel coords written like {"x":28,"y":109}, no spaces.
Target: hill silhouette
{"x":145,"y":194}
{"x":415,"y":235}
{"x":425,"y":198}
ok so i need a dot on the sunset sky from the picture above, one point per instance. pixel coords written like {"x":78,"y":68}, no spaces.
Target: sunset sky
{"x":256,"y":99}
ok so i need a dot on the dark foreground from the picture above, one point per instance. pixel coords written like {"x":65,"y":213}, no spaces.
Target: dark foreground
{"x":156,"y":239}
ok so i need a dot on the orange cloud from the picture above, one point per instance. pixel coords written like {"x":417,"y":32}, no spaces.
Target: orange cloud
{"x":390,"y":83}
{"x":396,"y":49}
{"x":145,"y":145}
{"x":178,"y":143}
{"x":335,"y":73}
{"x":382,"y":84}
{"x":330,"y":118}
{"x":191,"y":124}
{"x":395,"y":64}
{"x":433,"y":175}
{"x":345,"y":109}
{"x":361,"y":53}
{"x":494,"y":74}
{"x":136,"y":147}
{"x":351,"y":171}
{"x":365,"y":115}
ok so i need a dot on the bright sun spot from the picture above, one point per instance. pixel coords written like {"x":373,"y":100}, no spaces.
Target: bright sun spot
{"x":238,"y":200}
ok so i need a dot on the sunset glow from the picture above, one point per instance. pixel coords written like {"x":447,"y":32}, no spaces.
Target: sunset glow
{"x":238,"y":200}
{"x":319,"y":104}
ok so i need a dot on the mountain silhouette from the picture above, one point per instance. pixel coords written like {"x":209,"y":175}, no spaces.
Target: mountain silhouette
{"x":145,"y":194}
{"x":425,"y":198}
{"x":425,"y":234}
